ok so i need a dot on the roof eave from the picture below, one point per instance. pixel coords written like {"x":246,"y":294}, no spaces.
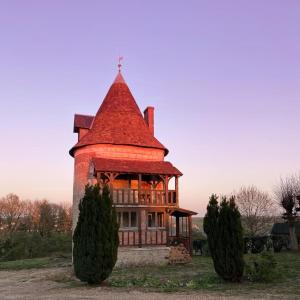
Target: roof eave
{"x":75,"y":147}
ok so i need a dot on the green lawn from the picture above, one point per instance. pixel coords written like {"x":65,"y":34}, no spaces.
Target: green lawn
{"x":197,"y":275}
{"x":37,"y":263}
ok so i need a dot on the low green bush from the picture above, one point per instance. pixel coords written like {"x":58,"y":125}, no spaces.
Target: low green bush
{"x":280,"y":242}
{"x":22,"y":245}
{"x":258,"y":244}
{"x":261,"y":267}
{"x":205,"y":249}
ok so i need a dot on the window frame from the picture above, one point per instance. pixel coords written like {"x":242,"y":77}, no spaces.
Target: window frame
{"x":156,"y":220}
{"x":129,"y":227}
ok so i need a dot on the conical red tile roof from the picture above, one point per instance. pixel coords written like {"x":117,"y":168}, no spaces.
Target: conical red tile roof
{"x":119,"y":121}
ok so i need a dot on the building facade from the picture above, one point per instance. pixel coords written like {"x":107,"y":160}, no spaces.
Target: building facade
{"x":117,"y":147}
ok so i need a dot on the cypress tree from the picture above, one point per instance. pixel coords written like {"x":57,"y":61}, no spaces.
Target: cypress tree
{"x":95,"y":237}
{"x":210,"y":224}
{"x":108,"y":241}
{"x":222,"y":224}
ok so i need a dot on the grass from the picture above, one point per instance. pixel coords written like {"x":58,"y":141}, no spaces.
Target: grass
{"x":200,"y":275}
{"x":195,"y":276}
{"x":36,"y":263}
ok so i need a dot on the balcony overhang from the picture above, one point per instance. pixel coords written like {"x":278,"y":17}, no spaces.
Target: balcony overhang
{"x":135,"y":167}
{"x":181,"y":212}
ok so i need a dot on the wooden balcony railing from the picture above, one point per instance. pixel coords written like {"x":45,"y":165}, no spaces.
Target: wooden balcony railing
{"x":148,"y":237}
{"x":147,"y":197}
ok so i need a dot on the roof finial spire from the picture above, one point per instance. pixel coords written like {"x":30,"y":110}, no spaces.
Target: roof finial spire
{"x":119,"y":64}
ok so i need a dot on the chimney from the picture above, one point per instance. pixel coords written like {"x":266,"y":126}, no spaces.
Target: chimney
{"x":149,"y":118}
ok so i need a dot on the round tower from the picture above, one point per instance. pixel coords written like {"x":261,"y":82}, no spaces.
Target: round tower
{"x":118,"y":131}
{"x":117,"y":147}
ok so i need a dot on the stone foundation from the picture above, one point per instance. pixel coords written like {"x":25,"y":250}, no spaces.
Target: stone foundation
{"x":129,"y":256}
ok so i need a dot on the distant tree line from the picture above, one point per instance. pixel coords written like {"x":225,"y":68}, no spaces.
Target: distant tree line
{"x":33,"y":216}
{"x":261,"y":212}
{"x":31,"y":229}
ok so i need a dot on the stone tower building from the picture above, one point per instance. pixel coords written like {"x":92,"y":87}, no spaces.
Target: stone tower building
{"x":117,"y":146}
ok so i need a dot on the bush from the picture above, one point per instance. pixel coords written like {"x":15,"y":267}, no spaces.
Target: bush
{"x":258,"y":244}
{"x":96,"y":236}
{"x":261,"y":268}
{"x":198,"y":246}
{"x":22,"y":245}
{"x":280,"y":241}
{"x":247,"y":244}
{"x":205,"y":249}
{"x":223,"y":227}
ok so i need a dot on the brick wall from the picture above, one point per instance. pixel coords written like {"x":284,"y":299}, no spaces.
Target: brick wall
{"x":84,"y":155}
{"x":123,"y":152}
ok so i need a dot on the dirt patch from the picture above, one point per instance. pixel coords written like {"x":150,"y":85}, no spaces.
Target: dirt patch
{"x":60,"y":283}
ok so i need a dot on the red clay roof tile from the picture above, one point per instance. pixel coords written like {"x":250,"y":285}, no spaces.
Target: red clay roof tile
{"x":119,"y":121}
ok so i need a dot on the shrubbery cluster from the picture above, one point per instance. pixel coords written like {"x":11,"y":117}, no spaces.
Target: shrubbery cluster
{"x":261,"y":267}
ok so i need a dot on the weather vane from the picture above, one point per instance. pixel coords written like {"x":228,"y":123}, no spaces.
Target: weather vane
{"x":120,"y":65}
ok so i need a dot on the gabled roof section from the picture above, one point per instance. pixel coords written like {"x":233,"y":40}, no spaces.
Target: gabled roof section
{"x":135,"y":166}
{"x":119,"y":121}
{"x":82,"y":121}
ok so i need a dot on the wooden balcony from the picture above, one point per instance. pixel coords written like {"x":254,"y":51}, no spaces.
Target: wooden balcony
{"x":145,"y":197}
{"x":146,"y":238}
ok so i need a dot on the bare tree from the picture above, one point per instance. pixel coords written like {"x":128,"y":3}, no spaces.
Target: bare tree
{"x":64,"y":218}
{"x":47,"y":218}
{"x":33,"y":216}
{"x":288,"y":196}
{"x":11,"y":211}
{"x":257,"y":209}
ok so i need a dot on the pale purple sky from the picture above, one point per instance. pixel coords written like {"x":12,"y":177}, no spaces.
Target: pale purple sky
{"x":224,"y":77}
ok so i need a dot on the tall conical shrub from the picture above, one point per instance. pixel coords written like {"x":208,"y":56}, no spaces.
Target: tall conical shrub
{"x":222,"y":224}
{"x":210,"y":224}
{"x":95,"y":237}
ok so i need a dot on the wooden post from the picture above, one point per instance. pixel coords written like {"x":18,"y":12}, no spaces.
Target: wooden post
{"x":167,"y":227}
{"x":101,"y":179}
{"x":177,"y":226}
{"x":166,"y":180}
{"x":111,"y":186}
{"x":139,"y":188}
{"x":177,"y":191}
{"x":139,"y":210}
{"x":190,"y":234}
{"x":139,"y":214}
